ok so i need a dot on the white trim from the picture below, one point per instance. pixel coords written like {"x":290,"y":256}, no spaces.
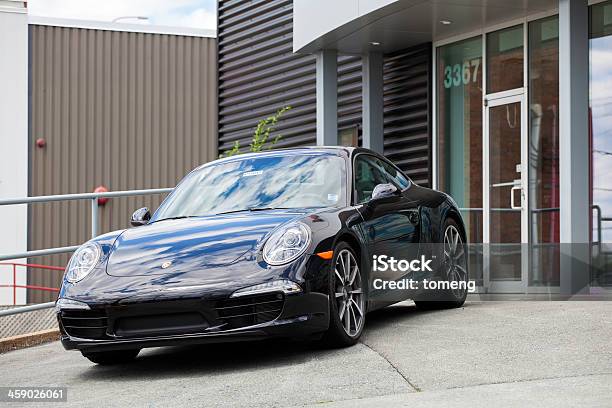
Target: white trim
{"x":13,"y":6}
{"x":4,"y":9}
{"x":123,"y":27}
{"x":489,"y":98}
{"x":514,"y":96}
{"x":486,"y":252}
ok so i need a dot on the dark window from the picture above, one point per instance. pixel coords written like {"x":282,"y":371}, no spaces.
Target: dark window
{"x":370,"y":172}
{"x":367,"y":176}
{"x":394,"y":175}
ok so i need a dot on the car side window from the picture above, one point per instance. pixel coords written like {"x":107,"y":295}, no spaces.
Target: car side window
{"x":368,"y":174}
{"x":394,"y":175}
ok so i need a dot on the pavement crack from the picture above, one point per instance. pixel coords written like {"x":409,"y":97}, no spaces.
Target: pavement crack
{"x":397,"y":370}
{"x":526,"y":380}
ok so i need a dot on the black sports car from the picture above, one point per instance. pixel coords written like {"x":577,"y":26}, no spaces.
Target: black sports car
{"x":279,"y":243}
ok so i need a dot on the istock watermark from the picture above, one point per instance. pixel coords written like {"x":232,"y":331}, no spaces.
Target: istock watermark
{"x":406,"y":268}
{"x":384,"y":263}
{"x":426,"y":284}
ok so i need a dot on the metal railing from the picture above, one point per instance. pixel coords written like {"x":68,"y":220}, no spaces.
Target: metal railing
{"x":16,"y":286}
{"x":595,"y":208}
{"x":93,"y":197}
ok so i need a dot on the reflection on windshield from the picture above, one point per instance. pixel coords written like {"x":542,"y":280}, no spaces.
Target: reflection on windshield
{"x":283,"y":181}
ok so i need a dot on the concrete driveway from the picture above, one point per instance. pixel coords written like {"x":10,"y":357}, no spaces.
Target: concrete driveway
{"x":486,"y":354}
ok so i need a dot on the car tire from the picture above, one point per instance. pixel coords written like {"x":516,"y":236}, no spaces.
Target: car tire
{"x":347,"y":305}
{"x":111,"y":357}
{"x":453,"y":245}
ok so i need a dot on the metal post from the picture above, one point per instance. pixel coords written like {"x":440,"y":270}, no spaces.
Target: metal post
{"x":327,"y":97}
{"x":575,"y":217}
{"x":373,"y":101}
{"x":94,"y":217}
{"x":14,"y":284}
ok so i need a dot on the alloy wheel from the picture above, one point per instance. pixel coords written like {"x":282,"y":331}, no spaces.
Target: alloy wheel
{"x":349,"y":293}
{"x":455,"y":259}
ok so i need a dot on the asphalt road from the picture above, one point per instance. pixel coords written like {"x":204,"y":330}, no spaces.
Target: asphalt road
{"x":486,"y":354}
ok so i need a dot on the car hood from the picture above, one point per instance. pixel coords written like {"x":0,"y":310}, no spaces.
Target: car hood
{"x":191,"y":245}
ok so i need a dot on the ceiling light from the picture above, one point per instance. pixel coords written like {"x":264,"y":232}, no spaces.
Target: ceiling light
{"x":446,"y":22}
{"x":374,"y":43}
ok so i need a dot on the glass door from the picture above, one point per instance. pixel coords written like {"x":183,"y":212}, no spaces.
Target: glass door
{"x":505,"y":209}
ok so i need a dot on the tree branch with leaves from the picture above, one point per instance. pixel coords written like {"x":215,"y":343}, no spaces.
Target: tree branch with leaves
{"x":261,"y":136}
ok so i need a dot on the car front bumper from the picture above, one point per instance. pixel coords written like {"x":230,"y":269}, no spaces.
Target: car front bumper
{"x":193,"y":321}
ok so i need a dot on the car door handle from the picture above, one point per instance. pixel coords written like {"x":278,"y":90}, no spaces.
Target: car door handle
{"x":414,"y":218}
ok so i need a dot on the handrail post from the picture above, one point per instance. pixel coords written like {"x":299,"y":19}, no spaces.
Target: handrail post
{"x":94,"y":217}
{"x":14,"y":284}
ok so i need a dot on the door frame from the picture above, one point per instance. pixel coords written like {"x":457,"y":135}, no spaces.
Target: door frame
{"x":518,"y":95}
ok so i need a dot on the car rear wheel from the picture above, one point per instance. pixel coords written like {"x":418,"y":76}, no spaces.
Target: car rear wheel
{"x":454,"y":268}
{"x":347,"y":299}
{"x":111,"y":357}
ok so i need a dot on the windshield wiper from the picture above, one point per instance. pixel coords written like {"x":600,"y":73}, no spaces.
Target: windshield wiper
{"x":251,"y":209}
{"x":178,"y":217}
{"x":254,"y":209}
{"x":268,"y":208}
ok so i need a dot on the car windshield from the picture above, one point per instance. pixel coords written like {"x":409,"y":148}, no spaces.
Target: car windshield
{"x":258,"y":183}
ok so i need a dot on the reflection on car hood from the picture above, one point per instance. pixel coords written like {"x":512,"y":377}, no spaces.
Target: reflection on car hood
{"x":192,"y":244}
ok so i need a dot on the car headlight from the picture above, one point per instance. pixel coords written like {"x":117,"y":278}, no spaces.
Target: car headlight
{"x":83,"y":261}
{"x":286,"y":244}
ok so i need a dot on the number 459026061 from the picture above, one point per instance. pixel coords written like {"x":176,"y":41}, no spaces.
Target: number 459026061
{"x":458,"y":74}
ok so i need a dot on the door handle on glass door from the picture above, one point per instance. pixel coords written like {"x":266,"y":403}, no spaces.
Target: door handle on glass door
{"x":512,"y":204}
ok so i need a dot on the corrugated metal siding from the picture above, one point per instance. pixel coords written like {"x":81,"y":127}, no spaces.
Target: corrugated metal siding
{"x":259,"y":73}
{"x":123,"y":110}
{"x":408,"y":111}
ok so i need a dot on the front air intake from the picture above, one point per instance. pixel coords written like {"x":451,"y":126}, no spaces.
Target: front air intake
{"x":249,"y":310}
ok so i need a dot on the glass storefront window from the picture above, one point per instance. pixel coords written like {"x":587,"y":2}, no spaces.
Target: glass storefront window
{"x":460,"y":128}
{"x":544,"y":151}
{"x":600,"y":115}
{"x":459,"y":123}
{"x":505,"y":59}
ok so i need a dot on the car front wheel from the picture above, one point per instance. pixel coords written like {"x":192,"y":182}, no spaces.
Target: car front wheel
{"x":347,"y":298}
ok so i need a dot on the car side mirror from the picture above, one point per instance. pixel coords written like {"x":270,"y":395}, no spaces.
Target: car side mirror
{"x":141,"y":217}
{"x":384,"y":191}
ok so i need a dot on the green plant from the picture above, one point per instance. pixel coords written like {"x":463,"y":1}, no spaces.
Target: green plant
{"x":261,"y":136}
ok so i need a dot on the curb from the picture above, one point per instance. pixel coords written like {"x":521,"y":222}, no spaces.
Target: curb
{"x":28,"y":340}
